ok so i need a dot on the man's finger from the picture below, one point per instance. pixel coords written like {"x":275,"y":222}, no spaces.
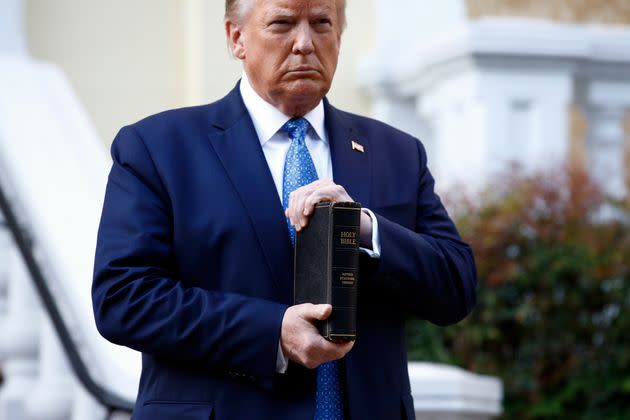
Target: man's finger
{"x":334,"y":350}
{"x":294,"y":210}
{"x":300,"y":201}
{"x":330,"y":193}
{"x":303,"y":200}
{"x":315,"y":312}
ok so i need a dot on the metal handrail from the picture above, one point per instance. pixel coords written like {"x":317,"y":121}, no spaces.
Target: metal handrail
{"x":110,"y":400}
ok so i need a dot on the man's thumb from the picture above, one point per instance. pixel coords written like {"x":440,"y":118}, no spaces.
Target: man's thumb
{"x":321,"y":312}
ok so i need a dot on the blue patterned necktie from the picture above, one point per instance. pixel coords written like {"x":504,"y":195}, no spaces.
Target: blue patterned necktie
{"x":299,"y":170}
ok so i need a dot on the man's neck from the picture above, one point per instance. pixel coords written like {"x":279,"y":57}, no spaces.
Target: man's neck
{"x":268,"y":119}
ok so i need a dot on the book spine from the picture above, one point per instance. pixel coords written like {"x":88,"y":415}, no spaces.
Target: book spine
{"x":343,"y":272}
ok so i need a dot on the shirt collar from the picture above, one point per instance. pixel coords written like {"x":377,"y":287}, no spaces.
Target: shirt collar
{"x":268,"y":119}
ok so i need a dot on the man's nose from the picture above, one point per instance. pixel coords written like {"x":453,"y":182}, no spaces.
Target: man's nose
{"x":303,"y":40}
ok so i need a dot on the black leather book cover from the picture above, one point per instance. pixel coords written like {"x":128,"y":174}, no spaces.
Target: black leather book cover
{"x":327,"y":265}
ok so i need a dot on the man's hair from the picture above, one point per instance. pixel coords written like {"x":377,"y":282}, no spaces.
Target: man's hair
{"x":235,"y":10}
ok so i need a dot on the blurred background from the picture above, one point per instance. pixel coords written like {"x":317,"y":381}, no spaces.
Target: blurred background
{"x":523,"y":106}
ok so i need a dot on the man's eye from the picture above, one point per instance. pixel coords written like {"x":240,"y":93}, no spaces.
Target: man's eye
{"x":323,"y":22}
{"x":280,"y":22}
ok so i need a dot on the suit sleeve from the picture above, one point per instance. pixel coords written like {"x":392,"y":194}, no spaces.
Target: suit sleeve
{"x":138,"y":301}
{"x":435,"y":268}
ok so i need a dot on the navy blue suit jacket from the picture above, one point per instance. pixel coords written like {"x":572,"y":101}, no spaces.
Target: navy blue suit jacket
{"x":194,"y":265}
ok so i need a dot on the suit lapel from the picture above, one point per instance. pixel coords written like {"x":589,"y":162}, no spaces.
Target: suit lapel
{"x":351,"y":168}
{"x":240,"y":152}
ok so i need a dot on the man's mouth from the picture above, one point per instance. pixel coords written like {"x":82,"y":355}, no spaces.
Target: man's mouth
{"x":304,"y":69}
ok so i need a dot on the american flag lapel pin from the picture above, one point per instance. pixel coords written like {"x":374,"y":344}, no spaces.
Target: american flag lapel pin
{"x":358,"y":147}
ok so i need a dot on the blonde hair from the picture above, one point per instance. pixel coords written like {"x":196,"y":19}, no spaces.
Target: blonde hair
{"x":235,"y":10}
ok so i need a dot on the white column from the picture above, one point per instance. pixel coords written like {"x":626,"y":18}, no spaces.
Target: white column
{"x":605,"y":149}
{"x":527,"y":115}
{"x":51,"y":397}
{"x":606,"y":108}
{"x":12,"y":38}
{"x":457,"y":114}
{"x":18,"y":341}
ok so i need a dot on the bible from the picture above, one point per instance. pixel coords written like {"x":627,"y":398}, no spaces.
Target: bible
{"x":326,"y":266}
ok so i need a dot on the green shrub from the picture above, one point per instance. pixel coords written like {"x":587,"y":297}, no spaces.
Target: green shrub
{"x":552,"y":318}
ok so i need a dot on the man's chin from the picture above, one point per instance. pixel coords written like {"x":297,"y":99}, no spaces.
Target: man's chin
{"x":306,"y":89}
{"x":299,"y":104}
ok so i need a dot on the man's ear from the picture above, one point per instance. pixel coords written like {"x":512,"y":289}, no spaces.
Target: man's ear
{"x":235,"y":39}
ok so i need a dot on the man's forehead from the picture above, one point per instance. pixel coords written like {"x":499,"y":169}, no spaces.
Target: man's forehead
{"x":270,"y":6}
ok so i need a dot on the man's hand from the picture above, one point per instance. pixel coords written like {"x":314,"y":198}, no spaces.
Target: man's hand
{"x":302,"y":201}
{"x":301,"y":341}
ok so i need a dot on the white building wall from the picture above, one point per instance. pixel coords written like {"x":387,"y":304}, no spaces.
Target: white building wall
{"x":483,"y":93}
{"x":125,"y":59}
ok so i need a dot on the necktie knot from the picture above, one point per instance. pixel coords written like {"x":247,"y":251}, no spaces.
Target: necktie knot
{"x":296,"y":128}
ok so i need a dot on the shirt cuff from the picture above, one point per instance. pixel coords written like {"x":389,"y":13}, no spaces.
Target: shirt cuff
{"x":282,"y":362}
{"x":375,"y":252}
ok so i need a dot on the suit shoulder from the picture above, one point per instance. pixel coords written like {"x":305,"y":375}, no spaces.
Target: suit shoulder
{"x":222,"y":112}
{"x":173,"y":115}
{"x":189,"y":117}
{"x":178,"y":125}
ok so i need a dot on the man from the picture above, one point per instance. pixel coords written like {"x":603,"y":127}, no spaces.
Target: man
{"x":194,"y":256}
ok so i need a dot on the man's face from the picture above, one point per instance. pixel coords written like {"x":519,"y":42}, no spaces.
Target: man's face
{"x":289,"y":50}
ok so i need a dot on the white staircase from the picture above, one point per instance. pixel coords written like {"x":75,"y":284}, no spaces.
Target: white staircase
{"x":53,"y":168}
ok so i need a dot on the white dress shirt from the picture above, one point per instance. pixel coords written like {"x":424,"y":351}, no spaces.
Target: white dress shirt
{"x":268,"y":121}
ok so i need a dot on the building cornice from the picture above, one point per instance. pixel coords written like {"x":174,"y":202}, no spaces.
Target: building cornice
{"x":503,"y":42}
{"x":572,"y":11}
